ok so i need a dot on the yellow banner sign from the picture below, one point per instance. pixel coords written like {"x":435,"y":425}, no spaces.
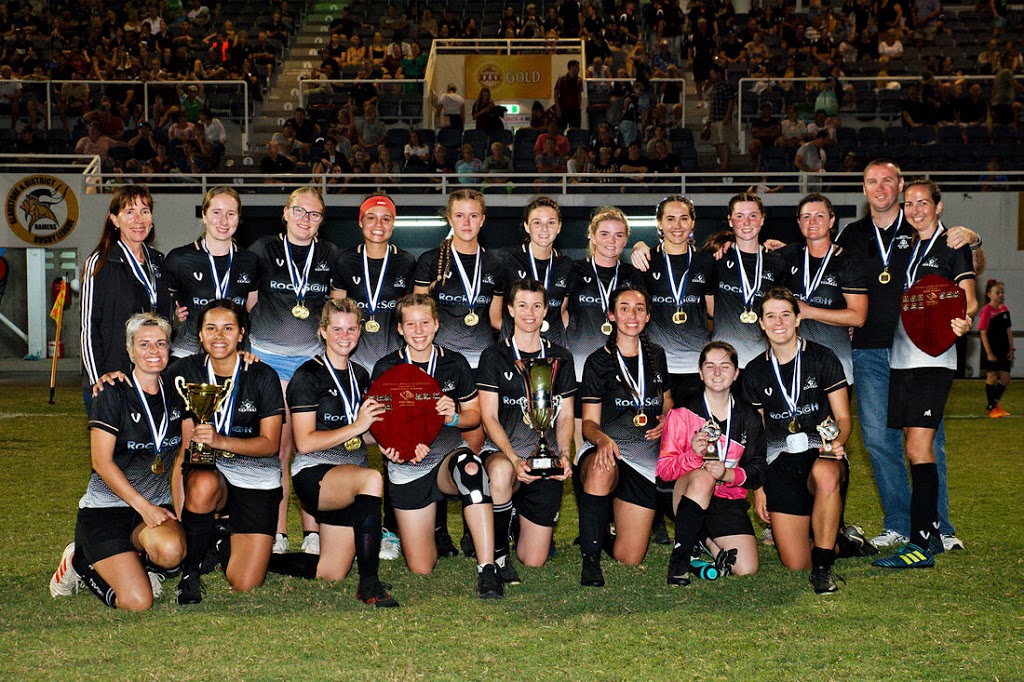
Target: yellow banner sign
{"x":509,"y":76}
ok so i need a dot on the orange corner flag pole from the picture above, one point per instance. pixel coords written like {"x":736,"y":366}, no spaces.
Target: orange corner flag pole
{"x":57,"y":313}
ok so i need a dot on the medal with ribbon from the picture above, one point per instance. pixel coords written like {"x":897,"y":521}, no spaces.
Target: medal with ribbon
{"x":143,"y":272}
{"x":373,"y":293}
{"x":749,"y":289}
{"x":220,"y":284}
{"x":792,"y":394}
{"x":811,"y":284}
{"x":915,"y":262}
{"x":544,"y":326}
{"x":224,"y":416}
{"x":886,"y":253}
{"x":678,"y":288}
{"x":350,"y":400}
{"x":605,"y":293}
{"x":636,"y":386}
{"x":158,"y":433}
{"x":299,"y":279}
{"x":472,"y":288}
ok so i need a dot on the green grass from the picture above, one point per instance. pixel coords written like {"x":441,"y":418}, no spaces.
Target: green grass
{"x":963,"y":620}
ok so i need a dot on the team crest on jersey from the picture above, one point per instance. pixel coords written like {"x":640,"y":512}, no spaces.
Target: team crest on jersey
{"x":357,"y":280}
{"x":247,"y":406}
{"x":448,"y":386}
{"x":136,"y":416}
{"x":903,"y":242}
{"x":810,"y":383}
{"x":280,"y":262}
{"x":560,"y":282}
{"x":931,"y":262}
{"x":699,"y":277}
{"x":508,"y":376}
{"x":175,"y":414}
{"x":244,"y":278}
{"x":198,"y":276}
{"x":522,"y":274}
{"x":400,"y":282}
{"x":488,"y":279}
{"x":322,"y":266}
{"x":830,"y":280}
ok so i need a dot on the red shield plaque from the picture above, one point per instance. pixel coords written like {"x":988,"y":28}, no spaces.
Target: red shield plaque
{"x":409,"y":395}
{"x":926,"y":310}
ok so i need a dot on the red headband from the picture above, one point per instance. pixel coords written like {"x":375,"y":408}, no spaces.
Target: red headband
{"x":376,"y":201}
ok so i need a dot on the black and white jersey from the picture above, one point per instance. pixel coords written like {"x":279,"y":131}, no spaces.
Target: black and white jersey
{"x":452,"y":304}
{"x":518,"y":268}
{"x":587,"y":311}
{"x":747,"y":339}
{"x":193,"y":282}
{"x":604,"y":384}
{"x":255,"y":395}
{"x":274,"y":328}
{"x":498,"y":374}
{"x":312,"y":389}
{"x":109,"y":298}
{"x":455,"y":377}
{"x":695,"y":278}
{"x":842,"y":275}
{"x":883,"y":299}
{"x":119,"y":411}
{"x":820,"y":374}
{"x":350,"y":275}
{"x":954,"y":264}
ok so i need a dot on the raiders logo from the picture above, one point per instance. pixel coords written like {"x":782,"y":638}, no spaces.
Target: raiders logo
{"x":41,"y":210}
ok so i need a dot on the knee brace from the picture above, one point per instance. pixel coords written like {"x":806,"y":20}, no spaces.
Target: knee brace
{"x":473,"y":488}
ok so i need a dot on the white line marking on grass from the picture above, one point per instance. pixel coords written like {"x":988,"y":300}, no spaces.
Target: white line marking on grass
{"x":19,"y":415}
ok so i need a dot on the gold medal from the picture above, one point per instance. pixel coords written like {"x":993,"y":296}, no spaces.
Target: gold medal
{"x":372,"y":325}
{"x":885,"y":277}
{"x":300,"y":312}
{"x":794,"y":426}
{"x":471,"y":319}
{"x":679,"y":317}
{"x":748,"y":317}
{"x":353,"y":443}
{"x":544,"y":327}
{"x":157,"y":467}
{"x":640,"y":419}
{"x":607,"y":329}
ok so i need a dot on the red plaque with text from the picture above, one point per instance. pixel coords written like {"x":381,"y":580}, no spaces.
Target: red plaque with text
{"x":927,"y":309}
{"x":409,"y":395}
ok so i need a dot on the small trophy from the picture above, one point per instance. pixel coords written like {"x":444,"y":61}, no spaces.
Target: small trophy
{"x":713,"y":430}
{"x":540,"y":407}
{"x":829,"y":431}
{"x":202,"y":400}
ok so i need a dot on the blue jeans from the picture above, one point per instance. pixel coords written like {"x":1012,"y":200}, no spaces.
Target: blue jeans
{"x":885,"y":445}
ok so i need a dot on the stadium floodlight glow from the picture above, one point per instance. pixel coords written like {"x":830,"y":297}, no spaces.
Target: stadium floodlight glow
{"x":421,"y":222}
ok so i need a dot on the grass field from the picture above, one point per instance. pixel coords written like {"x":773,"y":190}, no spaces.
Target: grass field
{"x":962,"y":620}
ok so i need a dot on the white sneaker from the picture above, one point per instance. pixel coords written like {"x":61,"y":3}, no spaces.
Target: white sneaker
{"x":951,"y":542}
{"x":310,"y":543}
{"x":280,"y":543}
{"x":65,"y":581}
{"x":156,"y":581}
{"x":888,"y":538}
{"x":766,"y":536}
{"x":390,"y":546}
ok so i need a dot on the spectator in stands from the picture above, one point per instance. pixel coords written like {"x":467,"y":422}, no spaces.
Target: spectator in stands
{"x":539,"y":118}
{"x":664,"y":161}
{"x":388,"y":165}
{"x":1005,"y":88}
{"x":598,"y":69}
{"x":810,"y":157}
{"x":451,"y":108}
{"x":144,"y":144}
{"x":568,"y":93}
{"x":392,"y":20}
{"x":549,"y":160}
{"x":377,"y":50}
{"x":428,"y":24}
{"x":988,"y":61}
{"x":764,"y":131}
{"x":391,"y":65}
{"x":278,"y":28}
{"x":417,"y":154}
{"x":332,"y":163}
{"x":470,"y":29}
{"x":345,"y":25}
{"x":794,"y":131}
{"x":29,"y":141}
{"x":829,"y":124}
{"x":264,"y":52}
{"x":356,"y":52}
{"x":927,"y":19}
{"x":10,"y":92}
{"x":275,"y":163}
{"x":915,"y":111}
{"x":497,"y":165}
{"x":109,"y":123}
{"x":553,"y":132}
{"x":580,"y":162}
{"x":289,"y":145}
{"x":181,"y":131}
{"x":468,"y":167}
{"x":731,"y":50}
{"x":605,"y":138}
{"x":369,"y":129}
{"x":757,"y":50}
{"x":363,"y":92}
{"x":439,"y":164}
{"x":414,"y":66}
{"x":635,"y":163}
{"x":972,"y":109}
{"x":605,"y":164}
{"x":721,"y":109}
{"x":945,"y":105}
{"x":97,"y":144}
{"x":570,"y":18}
{"x":890,"y":45}
{"x":701,"y":56}
{"x":486,"y":112}
{"x":306,"y":130}
{"x":663,"y":58}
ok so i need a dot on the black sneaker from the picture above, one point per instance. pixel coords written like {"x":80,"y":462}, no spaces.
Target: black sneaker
{"x":659,"y":533}
{"x":488,"y":583}
{"x":466,"y":545}
{"x":824,"y":580}
{"x":376,"y":594}
{"x":217,"y":555}
{"x":859,"y":545}
{"x":507,"y":570}
{"x":445,"y":546}
{"x":591,"y":575}
{"x":190,"y":589}
{"x":679,"y":568}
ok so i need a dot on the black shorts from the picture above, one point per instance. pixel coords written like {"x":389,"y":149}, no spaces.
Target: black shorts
{"x":538,"y":502}
{"x":683,"y":386}
{"x":632,"y":486}
{"x":101,"y":533}
{"x":728,"y":517}
{"x":785,"y":484}
{"x":419,"y":493}
{"x":1001,"y":364}
{"x":307,"y":489}
{"x":917,"y":397}
{"x":251,"y":510}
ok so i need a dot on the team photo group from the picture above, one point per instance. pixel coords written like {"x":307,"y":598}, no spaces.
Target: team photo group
{"x":676,"y":380}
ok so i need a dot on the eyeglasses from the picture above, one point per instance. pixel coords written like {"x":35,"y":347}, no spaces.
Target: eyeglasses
{"x":313,"y":216}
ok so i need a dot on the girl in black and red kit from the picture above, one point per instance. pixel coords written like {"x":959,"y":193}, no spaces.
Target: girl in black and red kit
{"x":126,"y":527}
{"x":246,"y":483}
{"x":625,"y":398}
{"x":330,"y":472}
{"x":122,"y":276}
{"x":210,"y":268}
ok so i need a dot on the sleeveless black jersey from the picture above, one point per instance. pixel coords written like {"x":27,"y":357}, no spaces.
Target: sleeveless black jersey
{"x":518,"y":268}
{"x":746,"y":338}
{"x":192,"y":283}
{"x":274,"y":328}
{"x":313,"y":390}
{"x":348,"y":274}
{"x":452,"y":306}
{"x":498,"y":374}
{"x":119,"y":411}
{"x":682,"y":342}
{"x":256,"y":394}
{"x":587,"y":308}
{"x":455,"y":377}
{"x":604,"y":384}
{"x":844,"y":274}
{"x":820,"y":373}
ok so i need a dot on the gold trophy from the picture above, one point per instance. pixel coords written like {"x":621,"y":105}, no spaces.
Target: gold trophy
{"x":713,"y":430}
{"x":540,"y":407}
{"x":829,"y":431}
{"x":202,"y":400}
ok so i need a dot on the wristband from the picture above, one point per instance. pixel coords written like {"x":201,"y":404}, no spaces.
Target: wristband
{"x":975,"y":247}
{"x":454,"y":421}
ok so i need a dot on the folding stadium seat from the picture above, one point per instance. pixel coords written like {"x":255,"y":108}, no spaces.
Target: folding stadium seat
{"x":387,"y":108}
{"x":867,"y":107}
{"x":428,"y":136}
{"x":951,"y":135}
{"x":846,"y":135}
{"x":503,"y":136}
{"x":870,"y":135}
{"x":578,"y":137}
{"x":922,"y":135}
{"x":411,"y":108}
{"x":449,"y":137}
{"x":977,"y":135}
{"x":896,"y":135}
{"x":397,"y":137}
{"x":1004,"y":134}
{"x":526,"y":138}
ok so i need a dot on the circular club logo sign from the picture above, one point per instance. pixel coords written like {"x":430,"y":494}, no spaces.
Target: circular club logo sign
{"x":489,"y":75}
{"x":41,"y":209}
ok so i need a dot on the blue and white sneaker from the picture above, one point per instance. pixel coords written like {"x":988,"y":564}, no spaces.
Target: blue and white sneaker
{"x":908,"y":556}
{"x":390,"y":546}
